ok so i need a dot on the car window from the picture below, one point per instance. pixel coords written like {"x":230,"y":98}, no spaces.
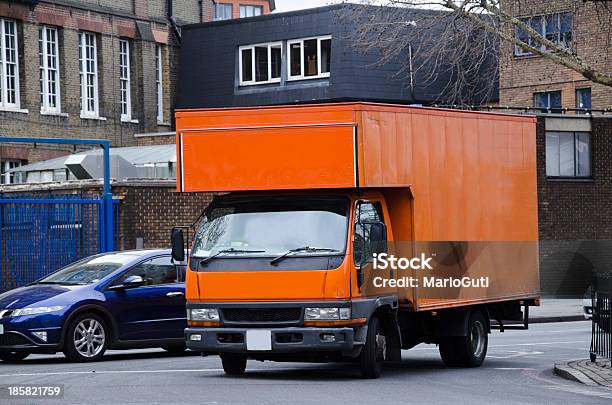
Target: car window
{"x":156,"y":271}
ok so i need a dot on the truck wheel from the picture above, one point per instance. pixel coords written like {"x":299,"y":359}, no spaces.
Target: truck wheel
{"x":13,"y":357}
{"x":375,"y":350}
{"x":470,"y":350}
{"x":233,"y":364}
{"x":86,"y":338}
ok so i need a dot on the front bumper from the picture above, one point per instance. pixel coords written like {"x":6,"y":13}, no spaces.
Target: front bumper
{"x":18,"y":334}
{"x":284,"y":340}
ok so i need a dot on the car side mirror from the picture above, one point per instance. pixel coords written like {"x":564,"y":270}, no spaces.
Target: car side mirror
{"x":178,"y":245}
{"x":378,"y":237}
{"x":127,"y":283}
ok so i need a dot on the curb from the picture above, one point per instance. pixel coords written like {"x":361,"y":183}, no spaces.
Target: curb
{"x":550,"y":319}
{"x":569,"y":373}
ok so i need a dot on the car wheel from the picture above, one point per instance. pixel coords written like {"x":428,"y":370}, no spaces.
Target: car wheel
{"x":233,"y":364}
{"x":375,"y":350}
{"x":13,"y":357}
{"x":179,"y":349}
{"x":86,"y":338}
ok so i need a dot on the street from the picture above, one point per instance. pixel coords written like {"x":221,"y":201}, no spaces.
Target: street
{"x":518,"y":369}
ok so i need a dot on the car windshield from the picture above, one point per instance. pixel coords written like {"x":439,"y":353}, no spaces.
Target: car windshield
{"x":89,"y":270}
{"x":273,"y":226}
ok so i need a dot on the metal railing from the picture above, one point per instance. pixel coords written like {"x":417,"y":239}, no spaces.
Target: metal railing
{"x":601,"y":325}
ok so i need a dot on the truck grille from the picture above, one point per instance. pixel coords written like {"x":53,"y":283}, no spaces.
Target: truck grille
{"x":13,"y":339}
{"x":262,"y":315}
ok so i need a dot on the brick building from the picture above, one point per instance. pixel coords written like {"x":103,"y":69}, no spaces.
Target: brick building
{"x":528,"y":80}
{"x":93,"y":69}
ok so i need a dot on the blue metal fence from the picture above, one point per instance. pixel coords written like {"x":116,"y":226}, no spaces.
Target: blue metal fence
{"x":42,"y":233}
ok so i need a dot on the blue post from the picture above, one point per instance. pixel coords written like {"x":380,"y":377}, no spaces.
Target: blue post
{"x":107,"y":222}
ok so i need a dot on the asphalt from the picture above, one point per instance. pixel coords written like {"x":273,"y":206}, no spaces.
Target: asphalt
{"x":518,"y":370}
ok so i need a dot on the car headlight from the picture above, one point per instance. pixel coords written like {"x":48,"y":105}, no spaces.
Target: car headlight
{"x":325,"y":314}
{"x":203,"y":314}
{"x":36,"y":310}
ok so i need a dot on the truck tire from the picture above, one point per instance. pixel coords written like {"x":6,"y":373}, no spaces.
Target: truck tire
{"x":233,"y":364}
{"x":470,"y":350}
{"x":375,"y":350}
{"x":86,"y":339}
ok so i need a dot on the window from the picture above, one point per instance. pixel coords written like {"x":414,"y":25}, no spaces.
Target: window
{"x":124,"y":80}
{"x":10,"y":178}
{"x":88,"y":62}
{"x":49,"y":70}
{"x":557,"y":28}
{"x":223,"y":11}
{"x":365,"y":243}
{"x":549,"y":101}
{"x":583,"y":99}
{"x":250,"y":11}
{"x":9,"y":69}
{"x":309,"y":58}
{"x":159,"y":83}
{"x":157,"y":271}
{"x":260,"y":63}
{"x":568,"y":154}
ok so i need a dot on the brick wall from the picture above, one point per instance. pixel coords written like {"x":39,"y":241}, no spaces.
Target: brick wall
{"x":575,"y":228}
{"x":522,"y":76}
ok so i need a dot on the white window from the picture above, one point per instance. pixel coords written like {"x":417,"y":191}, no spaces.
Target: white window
{"x":48,"y":54}
{"x":88,"y":63}
{"x":309,"y":58}
{"x":9,"y":68}
{"x":124,"y":80}
{"x":250,"y":11}
{"x":9,"y":178}
{"x":159,"y":83}
{"x":260,"y":63}
{"x":223,"y":11}
{"x":568,"y":154}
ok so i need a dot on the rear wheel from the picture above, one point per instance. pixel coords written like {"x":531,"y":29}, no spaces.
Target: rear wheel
{"x":13,"y":357}
{"x":86,"y":338}
{"x":375,"y":350}
{"x":233,"y":364}
{"x":470,"y":350}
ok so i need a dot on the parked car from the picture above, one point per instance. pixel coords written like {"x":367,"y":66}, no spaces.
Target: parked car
{"x":119,"y":300}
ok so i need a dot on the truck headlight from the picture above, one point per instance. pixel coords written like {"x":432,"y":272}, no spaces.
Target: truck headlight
{"x":202,"y":314}
{"x":36,"y":310}
{"x":327,"y":314}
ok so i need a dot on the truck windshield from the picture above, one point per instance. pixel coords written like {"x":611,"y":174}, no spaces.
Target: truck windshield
{"x":273,"y":226}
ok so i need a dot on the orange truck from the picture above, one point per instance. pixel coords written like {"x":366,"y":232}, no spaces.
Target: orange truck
{"x":354,"y":230}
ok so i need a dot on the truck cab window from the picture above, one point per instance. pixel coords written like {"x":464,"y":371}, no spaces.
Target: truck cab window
{"x":370,"y":232}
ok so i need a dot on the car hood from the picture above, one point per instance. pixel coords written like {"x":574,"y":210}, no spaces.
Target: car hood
{"x":25,"y":296}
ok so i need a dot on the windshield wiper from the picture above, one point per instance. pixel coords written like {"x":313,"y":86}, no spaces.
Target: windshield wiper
{"x":204,"y":262}
{"x":277,"y":259}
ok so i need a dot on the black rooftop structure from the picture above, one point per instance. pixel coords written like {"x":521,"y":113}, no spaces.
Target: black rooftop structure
{"x":210,"y":75}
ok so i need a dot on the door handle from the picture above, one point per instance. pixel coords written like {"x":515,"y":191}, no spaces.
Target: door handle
{"x":175,"y":294}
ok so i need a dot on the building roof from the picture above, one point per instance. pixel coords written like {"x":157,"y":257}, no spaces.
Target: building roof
{"x":136,"y":155}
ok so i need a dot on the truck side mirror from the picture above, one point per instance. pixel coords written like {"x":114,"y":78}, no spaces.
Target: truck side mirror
{"x":178,"y":245}
{"x":378,"y":237}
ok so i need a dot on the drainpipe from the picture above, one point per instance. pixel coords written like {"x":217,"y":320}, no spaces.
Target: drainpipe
{"x":170,"y":15}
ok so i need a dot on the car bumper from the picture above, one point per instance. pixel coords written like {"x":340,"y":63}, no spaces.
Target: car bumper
{"x":17,"y":335}
{"x":284,"y":340}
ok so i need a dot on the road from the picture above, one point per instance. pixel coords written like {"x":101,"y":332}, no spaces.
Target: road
{"x":518,"y":369}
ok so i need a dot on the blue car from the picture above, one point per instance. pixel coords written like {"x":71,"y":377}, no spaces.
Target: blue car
{"x":121,"y":300}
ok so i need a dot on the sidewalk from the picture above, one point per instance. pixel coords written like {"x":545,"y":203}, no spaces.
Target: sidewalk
{"x":586,"y":372}
{"x":557,"y":310}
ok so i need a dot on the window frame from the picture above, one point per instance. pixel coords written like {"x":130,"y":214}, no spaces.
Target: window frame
{"x":575,"y":166}
{"x":548,"y":108}
{"x":226,"y":5}
{"x":519,"y":52}
{"x":581,"y":89}
{"x":5,"y":166}
{"x":253,"y":81}
{"x":300,"y":41}
{"x":251,"y":6}
{"x":4,"y":88}
{"x":44,"y":70}
{"x":159,"y":82}
{"x":125,"y":54}
{"x":85,"y":112}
